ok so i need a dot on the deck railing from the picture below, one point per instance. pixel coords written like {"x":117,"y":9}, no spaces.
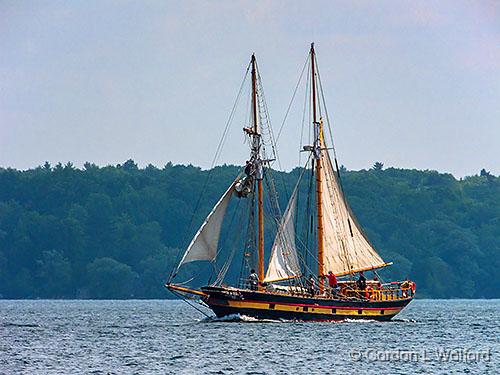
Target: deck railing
{"x":374,"y":291}
{"x":382,"y":292}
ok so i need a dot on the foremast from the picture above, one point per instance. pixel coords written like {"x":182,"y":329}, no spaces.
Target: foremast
{"x":318,"y":135}
{"x":204,"y":245}
{"x":256,"y":145}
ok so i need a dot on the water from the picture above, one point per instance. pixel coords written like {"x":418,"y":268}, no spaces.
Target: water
{"x":166,"y":337}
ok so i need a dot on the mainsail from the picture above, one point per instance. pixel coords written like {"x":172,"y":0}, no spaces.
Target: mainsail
{"x":284,"y":263}
{"x":203,"y":246}
{"x":346,"y":248}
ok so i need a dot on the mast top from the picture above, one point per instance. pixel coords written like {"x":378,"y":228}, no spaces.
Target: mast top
{"x":254,"y":97}
{"x":313,"y":80}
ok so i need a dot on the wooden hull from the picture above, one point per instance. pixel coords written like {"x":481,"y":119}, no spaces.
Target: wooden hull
{"x":262,"y":305}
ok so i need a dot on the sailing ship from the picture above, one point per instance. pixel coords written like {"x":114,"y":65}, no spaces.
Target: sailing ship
{"x":294,"y":285}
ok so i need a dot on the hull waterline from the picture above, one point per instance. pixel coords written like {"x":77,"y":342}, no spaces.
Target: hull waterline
{"x":262,"y":305}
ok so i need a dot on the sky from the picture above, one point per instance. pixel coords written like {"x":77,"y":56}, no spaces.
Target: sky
{"x":410,"y":84}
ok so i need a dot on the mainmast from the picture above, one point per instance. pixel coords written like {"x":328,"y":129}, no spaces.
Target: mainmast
{"x":318,"y":138}
{"x":258,"y":173}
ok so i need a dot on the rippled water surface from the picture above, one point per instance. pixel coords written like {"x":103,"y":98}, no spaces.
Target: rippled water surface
{"x":166,"y":337}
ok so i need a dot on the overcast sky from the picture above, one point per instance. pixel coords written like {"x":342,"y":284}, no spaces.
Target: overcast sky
{"x":414,"y":84}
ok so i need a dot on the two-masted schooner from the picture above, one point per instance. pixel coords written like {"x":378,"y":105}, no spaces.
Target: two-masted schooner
{"x":298,"y":282}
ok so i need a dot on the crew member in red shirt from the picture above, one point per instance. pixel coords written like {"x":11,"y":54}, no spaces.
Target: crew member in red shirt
{"x":332,"y":282}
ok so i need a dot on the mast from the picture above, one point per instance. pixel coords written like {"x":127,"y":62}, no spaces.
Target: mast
{"x":256,"y":150}
{"x":318,"y":130}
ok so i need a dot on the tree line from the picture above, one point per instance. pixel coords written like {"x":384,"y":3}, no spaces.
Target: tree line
{"x":116,"y":231}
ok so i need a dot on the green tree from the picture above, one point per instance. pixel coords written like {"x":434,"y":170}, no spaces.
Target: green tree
{"x":67,"y":232}
{"x":53,"y":276}
{"x":110,"y":279}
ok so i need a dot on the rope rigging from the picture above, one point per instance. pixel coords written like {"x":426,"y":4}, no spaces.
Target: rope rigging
{"x":186,"y":300}
{"x":225,"y":266}
{"x":262,"y":145}
{"x":214,"y":161}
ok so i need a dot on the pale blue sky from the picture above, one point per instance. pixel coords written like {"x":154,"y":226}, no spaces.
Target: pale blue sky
{"x":413,"y":84}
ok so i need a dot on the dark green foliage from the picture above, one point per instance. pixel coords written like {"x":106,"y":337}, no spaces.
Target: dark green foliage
{"x":108,"y":278}
{"x":378,"y":166}
{"x":114,"y":232}
{"x":441,"y":232}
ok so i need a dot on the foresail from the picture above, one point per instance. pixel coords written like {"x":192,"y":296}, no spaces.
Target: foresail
{"x":346,"y":249}
{"x":204,"y":244}
{"x":284,"y":263}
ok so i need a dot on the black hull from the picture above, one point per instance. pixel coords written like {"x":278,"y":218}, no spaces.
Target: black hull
{"x":262,"y":305}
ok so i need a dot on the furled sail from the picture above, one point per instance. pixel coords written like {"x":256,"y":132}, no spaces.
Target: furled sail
{"x":346,"y":248}
{"x":203,"y":246}
{"x":284,"y":263}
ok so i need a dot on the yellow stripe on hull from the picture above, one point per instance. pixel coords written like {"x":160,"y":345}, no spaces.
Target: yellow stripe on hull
{"x":314,"y":310}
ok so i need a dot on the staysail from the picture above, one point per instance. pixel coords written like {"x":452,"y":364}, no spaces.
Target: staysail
{"x":284,"y":263}
{"x":203,"y":246}
{"x":346,"y":248}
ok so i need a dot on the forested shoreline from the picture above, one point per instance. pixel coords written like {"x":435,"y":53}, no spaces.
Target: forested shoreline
{"x":116,"y":231}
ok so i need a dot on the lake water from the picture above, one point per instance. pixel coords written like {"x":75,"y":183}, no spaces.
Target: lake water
{"x":167,"y":337}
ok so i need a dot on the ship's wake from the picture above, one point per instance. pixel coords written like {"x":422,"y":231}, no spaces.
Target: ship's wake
{"x":359,"y":321}
{"x":239,"y":318}
{"x":403,"y":320}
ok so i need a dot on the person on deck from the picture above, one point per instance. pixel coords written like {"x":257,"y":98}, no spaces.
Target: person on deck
{"x":311,"y":285}
{"x":253,"y":280}
{"x":361,"y":281}
{"x":332,"y":282}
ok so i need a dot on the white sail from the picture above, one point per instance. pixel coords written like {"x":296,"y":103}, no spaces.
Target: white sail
{"x":346,"y":248}
{"x":203,"y":246}
{"x":284,"y":263}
